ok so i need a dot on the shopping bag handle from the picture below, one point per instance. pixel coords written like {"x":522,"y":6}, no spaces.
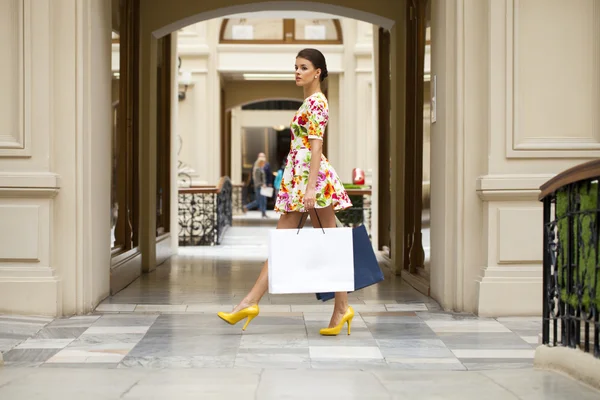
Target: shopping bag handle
{"x":302,"y":217}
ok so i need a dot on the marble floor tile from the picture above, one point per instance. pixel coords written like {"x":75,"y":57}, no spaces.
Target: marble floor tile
{"x":483,"y":341}
{"x":167,"y":362}
{"x":71,"y":323}
{"x":8,"y":344}
{"x":406,"y":307}
{"x":44,"y":344}
{"x":389,"y":314}
{"x":495,"y":364}
{"x":29,"y":355}
{"x":531,"y":339}
{"x":84,"y":356}
{"x":441,"y":385}
{"x":320,"y":384}
{"x":414,"y":348}
{"x":22,"y":319}
{"x":392,"y":319}
{"x":466,"y":326}
{"x":89,"y":318}
{"x":60,"y":333}
{"x":344,"y":352}
{"x":359,"y":308}
{"x":494,"y":353}
{"x":275,"y":340}
{"x":186,"y":384}
{"x":110,"y":330}
{"x":437,"y":364}
{"x":210,"y":308}
{"x":272,"y":361}
{"x":160,"y":308}
{"x":541,"y":385}
{"x":184,"y":348}
{"x":312,"y":308}
{"x":115,"y":307}
{"x":12,"y":375}
{"x":70,"y":384}
{"x":287,"y":320}
{"x":401,"y":331}
{"x":361,"y":364}
{"x":23,"y":364}
{"x":86,"y":365}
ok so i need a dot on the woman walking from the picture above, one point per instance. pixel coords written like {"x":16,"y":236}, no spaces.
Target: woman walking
{"x":309,"y":183}
{"x":260,"y":181}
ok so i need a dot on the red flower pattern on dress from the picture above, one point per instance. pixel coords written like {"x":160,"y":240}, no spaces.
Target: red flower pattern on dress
{"x":308,"y":124}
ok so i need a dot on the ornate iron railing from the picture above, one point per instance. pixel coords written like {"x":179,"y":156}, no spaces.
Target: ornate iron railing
{"x":205,"y":213}
{"x":571,"y":270}
{"x":360,"y":212}
{"x":238,"y":198}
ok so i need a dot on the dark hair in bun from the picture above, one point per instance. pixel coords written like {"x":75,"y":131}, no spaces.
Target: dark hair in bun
{"x":317,"y":59}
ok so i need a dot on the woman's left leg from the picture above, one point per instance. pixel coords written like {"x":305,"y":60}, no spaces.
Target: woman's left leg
{"x":327,"y":218}
{"x":263,"y":205}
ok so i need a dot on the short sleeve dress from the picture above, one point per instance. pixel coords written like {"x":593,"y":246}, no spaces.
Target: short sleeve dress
{"x":309,"y":123}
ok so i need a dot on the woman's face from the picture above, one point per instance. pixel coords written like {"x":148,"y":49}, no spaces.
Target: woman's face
{"x":305,"y":72}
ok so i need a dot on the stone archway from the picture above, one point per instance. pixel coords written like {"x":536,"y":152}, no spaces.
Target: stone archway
{"x":159,"y":19}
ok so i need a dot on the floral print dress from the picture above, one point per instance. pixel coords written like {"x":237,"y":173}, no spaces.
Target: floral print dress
{"x":309,"y":123}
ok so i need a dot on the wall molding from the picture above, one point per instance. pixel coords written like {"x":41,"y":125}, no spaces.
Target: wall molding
{"x":18,"y":144}
{"x":509,"y":187}
{"x":518,"y":145}
{"x":29,"y":184}
{"x":29,"y":180}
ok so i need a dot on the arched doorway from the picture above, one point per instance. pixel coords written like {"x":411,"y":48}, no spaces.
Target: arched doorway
{"x":159,"y":21}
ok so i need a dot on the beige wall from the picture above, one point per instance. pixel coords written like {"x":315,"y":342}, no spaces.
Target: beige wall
{"x":54,"y":156}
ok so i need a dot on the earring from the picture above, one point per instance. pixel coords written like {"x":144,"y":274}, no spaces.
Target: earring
{"x":315,"y":77}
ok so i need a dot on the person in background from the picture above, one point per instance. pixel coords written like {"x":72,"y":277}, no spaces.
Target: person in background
{"x":260,"y":181}
{"x":279,"y":177}
{"x":267,"y":169}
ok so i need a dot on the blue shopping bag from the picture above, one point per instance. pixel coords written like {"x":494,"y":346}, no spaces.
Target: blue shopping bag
{"x":366,"y":267}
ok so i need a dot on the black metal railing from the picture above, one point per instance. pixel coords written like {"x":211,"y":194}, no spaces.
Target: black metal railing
{"x":237,"y":198}
{"x":205,"y":213}
{"x":571,"y":269}
{"x":360,"y":212}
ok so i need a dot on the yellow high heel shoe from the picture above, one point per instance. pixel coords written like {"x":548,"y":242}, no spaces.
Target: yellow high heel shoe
{"x":235,"y":317}
{"x":337,"y":329}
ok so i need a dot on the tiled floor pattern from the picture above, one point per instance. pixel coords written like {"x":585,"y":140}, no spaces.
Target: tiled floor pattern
{"x":167,"y":318}
{"x":160,"y":338}
{"x":396,"y":338}
{"x":251,"y":383}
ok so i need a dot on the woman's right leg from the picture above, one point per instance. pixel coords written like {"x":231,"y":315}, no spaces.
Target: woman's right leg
{"x":286,"y":221}
{"x":263,"y":205}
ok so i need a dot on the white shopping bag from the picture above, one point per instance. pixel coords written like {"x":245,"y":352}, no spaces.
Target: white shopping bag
{"x":266,"y":191}
{"x":311,"y":260}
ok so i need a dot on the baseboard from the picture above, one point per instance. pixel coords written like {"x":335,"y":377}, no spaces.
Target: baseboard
{"x":125,"y":268}
{"x":581,"y":366}
{"x":416,"y":281}
{"x":163,"y":248}
{"x":30,"y":296}
{"x":509,"y":296}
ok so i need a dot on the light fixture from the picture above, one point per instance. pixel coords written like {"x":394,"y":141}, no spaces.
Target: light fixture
{"x":268,"y":77}
{"x":185,"y":79}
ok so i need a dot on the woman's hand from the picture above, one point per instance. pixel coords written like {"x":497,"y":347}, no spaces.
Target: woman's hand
{"x":310,"y":198}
